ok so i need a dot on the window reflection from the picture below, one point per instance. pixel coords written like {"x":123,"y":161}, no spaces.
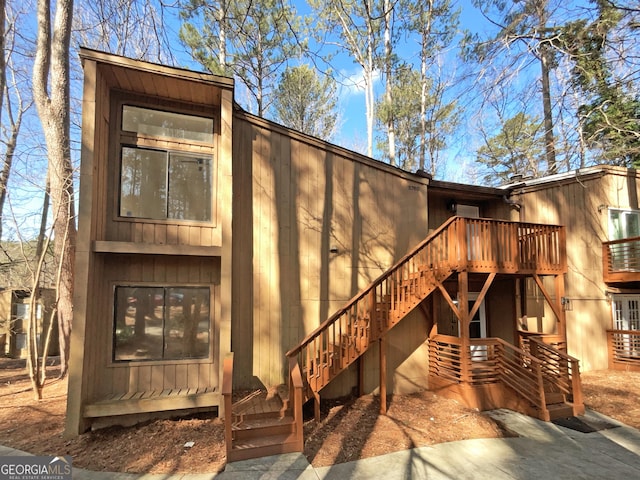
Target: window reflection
{"x":167,"y":124}
{"x":156,"y":323}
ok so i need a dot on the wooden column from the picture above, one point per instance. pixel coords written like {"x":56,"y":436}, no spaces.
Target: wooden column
{"x":562,"y":317}
{"x":383,"y":374}
{"x":463,"y":308}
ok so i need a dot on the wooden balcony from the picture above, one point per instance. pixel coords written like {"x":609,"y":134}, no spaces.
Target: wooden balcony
{"x":623,"y":347}
{"x":621,"y":260}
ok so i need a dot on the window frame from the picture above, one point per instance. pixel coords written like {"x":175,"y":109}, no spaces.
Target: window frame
{"x":167,"y":145}
{"x":611,"y":228}
{"x":209,"y":358}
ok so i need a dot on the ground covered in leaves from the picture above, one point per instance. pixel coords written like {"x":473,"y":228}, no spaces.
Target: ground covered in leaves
{"x":348,"y":430}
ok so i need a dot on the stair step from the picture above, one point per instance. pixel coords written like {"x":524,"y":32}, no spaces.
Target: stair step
{"x":262,"y":447}
{"x":560,"y":410}
{"x":263,"y":427}
{"x":554,"y":397}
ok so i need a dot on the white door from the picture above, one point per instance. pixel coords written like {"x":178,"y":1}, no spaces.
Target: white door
{"x":626,"y":316}
{"x":477,"y":328}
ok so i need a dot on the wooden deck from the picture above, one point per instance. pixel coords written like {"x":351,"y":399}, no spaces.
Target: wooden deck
{"x":490,"y":373}
{"x":152,"y":401}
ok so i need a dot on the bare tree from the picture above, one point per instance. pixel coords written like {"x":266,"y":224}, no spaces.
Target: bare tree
{"x":51,"y":86}
{"x":12,"y":99}
{"x":133,"y":29}
{"x":358,"y":26}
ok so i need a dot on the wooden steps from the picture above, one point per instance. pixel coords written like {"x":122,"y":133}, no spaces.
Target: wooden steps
{"x":262,"y":425}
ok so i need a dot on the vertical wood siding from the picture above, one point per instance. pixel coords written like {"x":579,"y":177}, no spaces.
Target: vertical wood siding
{"x":581,"y":204}
{"x":310,"y":199}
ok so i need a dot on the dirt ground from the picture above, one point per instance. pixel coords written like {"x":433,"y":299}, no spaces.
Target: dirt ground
{"x":348,"y":431}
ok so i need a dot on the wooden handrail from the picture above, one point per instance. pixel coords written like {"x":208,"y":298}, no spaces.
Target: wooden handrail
{"x":563,"y":370}
{"x":505,"y":363}
{"x":367,"y":291}
{"x":227,"y":392}
{"x":296,"y":400}
{"x":458,"y":244}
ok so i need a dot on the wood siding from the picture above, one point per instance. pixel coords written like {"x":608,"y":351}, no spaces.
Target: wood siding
{"x":581,"y":203}
{"x":113,"y":251}
{"x":321,"y":224}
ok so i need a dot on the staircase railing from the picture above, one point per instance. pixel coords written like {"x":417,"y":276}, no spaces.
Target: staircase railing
{"x":560,"y":370}
{"x":480,"y":245}
{"x":296,"y":400}
{"x":522,"y":372}
{"x":488,"y":361}
{"x":347,"y":334}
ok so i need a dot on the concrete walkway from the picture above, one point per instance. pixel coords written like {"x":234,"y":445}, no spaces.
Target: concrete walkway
{"x":541,"y":451}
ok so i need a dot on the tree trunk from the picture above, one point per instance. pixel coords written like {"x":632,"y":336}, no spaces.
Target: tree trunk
{"x":549,"y":139}
{"x":388,"y":61}
{"x":52,"y":101}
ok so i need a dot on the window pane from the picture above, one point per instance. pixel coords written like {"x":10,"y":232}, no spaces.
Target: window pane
{"x":143,"y":180}
{"x":189,"y":187}
{"x":138,"y":328}
{"x":187,"y":323}
{"x":167,"y":124}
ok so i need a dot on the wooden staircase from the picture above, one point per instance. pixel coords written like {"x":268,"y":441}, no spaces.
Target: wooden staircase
{"x":262,"y":424}
{"x":460,"y":244}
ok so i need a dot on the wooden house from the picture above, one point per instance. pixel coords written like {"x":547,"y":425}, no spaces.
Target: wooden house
{"x":218,"y":250}
{"x":15,"y":305}
{"x":600,"y":209}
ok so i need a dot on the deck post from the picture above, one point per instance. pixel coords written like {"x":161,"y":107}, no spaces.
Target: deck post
{"x":463,"y":308}
{"x":562,"y":317}
{"x":383,"y":374}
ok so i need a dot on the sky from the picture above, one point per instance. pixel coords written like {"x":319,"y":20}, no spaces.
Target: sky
{"x":352,"y":133}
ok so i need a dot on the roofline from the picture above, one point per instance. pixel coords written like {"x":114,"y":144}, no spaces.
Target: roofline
{"x":577,"y":175}
{"x":324,"y":144}
{"x":146,"y":66}
{"x":463,"y":188}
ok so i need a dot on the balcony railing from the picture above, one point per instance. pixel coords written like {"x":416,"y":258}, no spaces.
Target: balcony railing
{"x":623,"y":347}
{"x":621,"y":260}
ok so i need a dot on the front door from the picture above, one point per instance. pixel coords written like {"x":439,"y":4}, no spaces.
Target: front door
{"x":477,"y":328}
{"x":626,"y":316}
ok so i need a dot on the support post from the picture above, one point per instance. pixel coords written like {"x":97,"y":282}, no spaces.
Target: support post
{"x":463,"y":308}
{"x":562,"y":317}
{"x":383,"y":374}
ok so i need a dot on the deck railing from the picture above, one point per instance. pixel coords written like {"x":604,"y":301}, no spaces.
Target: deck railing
{"x":488,"y":361}
{"x":624,"y":349}
{"x":553,"y":339}
{"x":621,"y":260}
{"x":478,"y":245}
{"x":559,"y":370}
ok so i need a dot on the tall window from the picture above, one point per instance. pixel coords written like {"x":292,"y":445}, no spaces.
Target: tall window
{"x":161,"y":323}
{"x":164,"y":175}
